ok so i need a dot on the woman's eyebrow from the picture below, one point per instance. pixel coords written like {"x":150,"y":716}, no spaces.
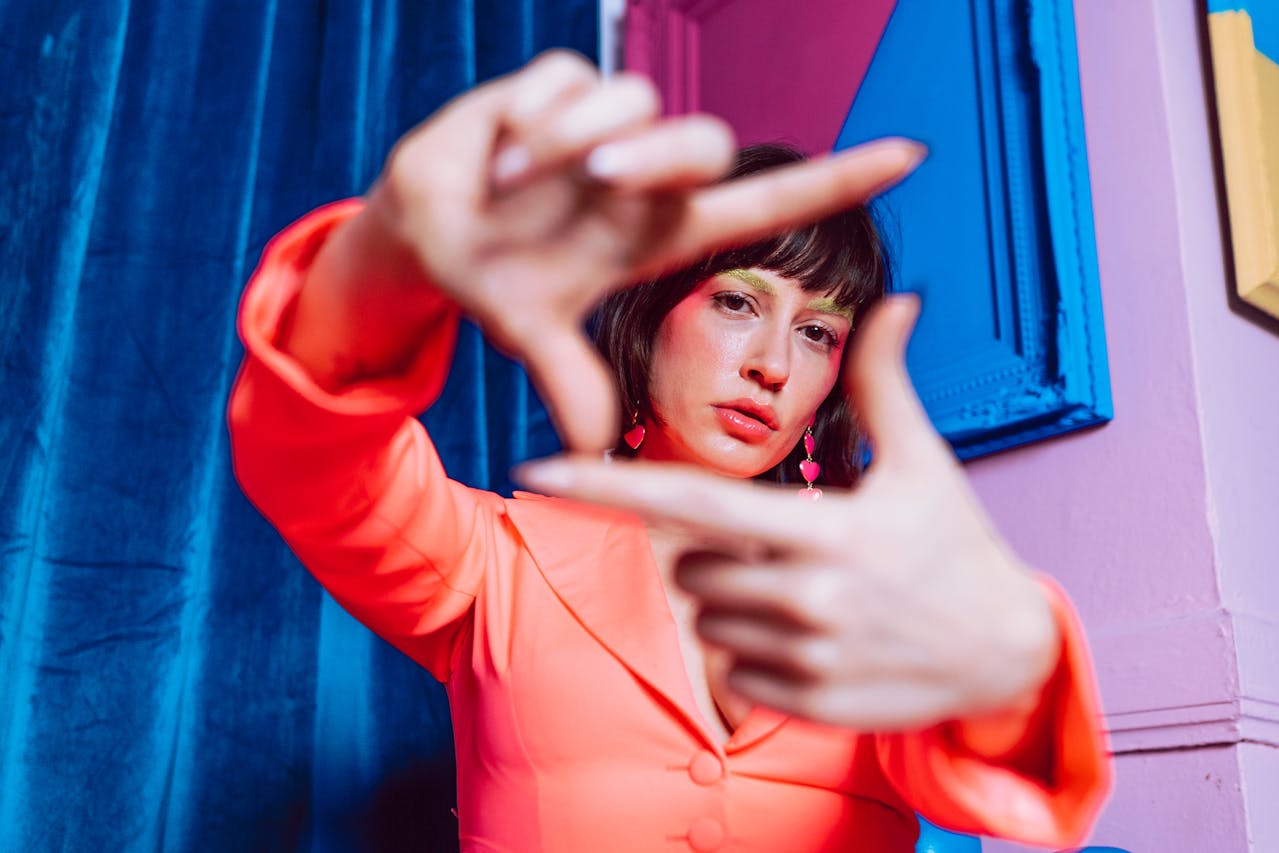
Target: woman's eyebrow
{"x":822,"y":304}
{"x":826,"y":305}
{"x":752,"y":280}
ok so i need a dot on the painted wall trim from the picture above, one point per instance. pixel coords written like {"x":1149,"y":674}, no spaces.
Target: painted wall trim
{"x":1241,"y":721}
{"x":1208,"y":707}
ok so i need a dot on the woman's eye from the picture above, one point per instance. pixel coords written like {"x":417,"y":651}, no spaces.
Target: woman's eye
{"x":821,"y":335}
{"x":732,"y":301}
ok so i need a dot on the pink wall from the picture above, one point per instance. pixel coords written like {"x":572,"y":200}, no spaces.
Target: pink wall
{"x":1161,"y":524}
{"x":724,"y":57}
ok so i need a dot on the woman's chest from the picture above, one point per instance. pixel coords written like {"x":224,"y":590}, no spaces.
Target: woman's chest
{"x":572,"y":691}
{"x":587,"y":662}
{"x":706,"y":666}
{"x":602,"y":660}
{"x":578,"y":691}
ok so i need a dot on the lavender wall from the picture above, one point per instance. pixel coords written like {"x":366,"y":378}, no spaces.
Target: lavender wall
{"x":1161,"y":523}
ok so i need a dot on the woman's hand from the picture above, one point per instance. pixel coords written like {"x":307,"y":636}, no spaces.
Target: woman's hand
{"x":890,"y":607}
{"x":529,"y":198}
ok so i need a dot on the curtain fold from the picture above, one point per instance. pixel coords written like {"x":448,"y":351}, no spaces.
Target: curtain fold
{"x":170,"y":678}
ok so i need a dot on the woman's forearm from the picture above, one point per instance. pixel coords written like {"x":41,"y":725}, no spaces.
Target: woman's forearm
{"x":363,"y":308}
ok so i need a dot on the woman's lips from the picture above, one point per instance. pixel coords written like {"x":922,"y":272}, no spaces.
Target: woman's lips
{"x":759,"y":411}
{"x":741,"y":425}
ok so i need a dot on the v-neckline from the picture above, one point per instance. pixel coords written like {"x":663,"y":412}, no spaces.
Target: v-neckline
{"x":756,"y":722}
{"x":600,"y":564}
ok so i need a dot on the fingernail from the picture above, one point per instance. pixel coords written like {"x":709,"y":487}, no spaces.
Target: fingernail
{"x":917,"y":152}
{"x":908,"y":306}
{"x":549,"y":476}
{"x":511,"y":163}
{"x":912,"y":153}
{"x":610,"y":161}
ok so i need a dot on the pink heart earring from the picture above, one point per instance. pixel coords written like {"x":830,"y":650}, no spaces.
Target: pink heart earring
{"x":634,"y":436}
{"x":808,"y":468}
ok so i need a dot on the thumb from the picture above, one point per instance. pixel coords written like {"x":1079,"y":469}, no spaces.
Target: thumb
{"x":577,"y":387}
{"x":879,"y":387}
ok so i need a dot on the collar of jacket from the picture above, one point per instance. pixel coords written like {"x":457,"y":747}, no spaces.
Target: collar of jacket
{"x":626,"y":612}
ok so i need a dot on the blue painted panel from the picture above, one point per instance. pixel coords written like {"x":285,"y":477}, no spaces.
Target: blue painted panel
{"x":935,"y":840}
{"x":995,"y":230}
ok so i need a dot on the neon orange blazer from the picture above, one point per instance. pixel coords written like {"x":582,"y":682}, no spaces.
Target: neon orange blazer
{"x":574,"y":720}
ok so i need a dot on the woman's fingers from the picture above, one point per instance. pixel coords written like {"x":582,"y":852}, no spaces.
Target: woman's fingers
{"x":720,"y":510}
{"x":882,"y":394}
{"x":530,"y":96}
{"x":775,"y":645}
{"x":690,"y":151}
{"x":753,"y":208}
{"x":791,"y":597}
{"x":560,"y":109}
{"x":879,"y":705}
{"x":608,"y":128}
{"x":576,"y":386}
{"x":618,"y":106}
{"x":544,"y":85}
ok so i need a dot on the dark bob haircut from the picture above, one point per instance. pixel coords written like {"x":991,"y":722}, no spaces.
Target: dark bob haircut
{"x":842,"y":255}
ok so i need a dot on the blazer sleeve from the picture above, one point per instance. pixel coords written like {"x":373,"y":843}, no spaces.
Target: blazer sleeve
{"x":350,"y":479}
{"x":1054,"y":805}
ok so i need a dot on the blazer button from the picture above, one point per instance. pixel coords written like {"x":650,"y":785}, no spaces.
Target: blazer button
{"x":706,"y":768}
{"x":706,"y":834}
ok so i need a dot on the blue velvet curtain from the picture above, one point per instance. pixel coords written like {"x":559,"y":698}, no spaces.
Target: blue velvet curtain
{"x":170,"y":678}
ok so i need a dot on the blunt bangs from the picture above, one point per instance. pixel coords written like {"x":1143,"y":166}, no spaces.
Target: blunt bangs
{"x":843,"y":255}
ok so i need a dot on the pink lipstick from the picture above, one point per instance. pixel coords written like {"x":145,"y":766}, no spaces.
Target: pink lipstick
{"x":746,"y":419}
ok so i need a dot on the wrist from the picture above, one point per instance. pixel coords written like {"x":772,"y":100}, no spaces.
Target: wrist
{"x":1003,"y":732}
{"x":362,"y":305}
{"x":370,"y":260}
{"x":1026,"y":648}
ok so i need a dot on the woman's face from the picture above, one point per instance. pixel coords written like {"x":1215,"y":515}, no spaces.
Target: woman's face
{"x":739,"y":368}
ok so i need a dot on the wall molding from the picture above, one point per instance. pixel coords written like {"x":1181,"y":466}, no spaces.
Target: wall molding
{"x":1146,"y":711}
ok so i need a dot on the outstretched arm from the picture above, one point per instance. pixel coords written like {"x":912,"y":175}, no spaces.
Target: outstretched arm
{"x":347,"y":475}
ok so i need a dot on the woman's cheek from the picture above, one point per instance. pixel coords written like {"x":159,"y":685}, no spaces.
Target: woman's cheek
{"x":825,"y":375}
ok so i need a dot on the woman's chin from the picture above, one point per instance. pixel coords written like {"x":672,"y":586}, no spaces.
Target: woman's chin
{"x":739,"y":473}
{"x":741,"y":462}
{"x":722,"y":454}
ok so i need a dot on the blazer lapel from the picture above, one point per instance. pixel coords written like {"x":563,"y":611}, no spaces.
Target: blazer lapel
{"x":759,"y":724}
{"x":600,"y":565}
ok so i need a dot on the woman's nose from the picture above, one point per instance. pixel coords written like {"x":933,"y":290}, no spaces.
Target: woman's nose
{"x":768,"y":364}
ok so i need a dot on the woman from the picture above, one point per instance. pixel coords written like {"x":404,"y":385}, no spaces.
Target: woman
{"x":699,"y":662}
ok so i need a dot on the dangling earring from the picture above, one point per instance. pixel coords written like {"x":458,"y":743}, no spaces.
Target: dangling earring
{"x":808,"y":468}
{"x":634,"y":436}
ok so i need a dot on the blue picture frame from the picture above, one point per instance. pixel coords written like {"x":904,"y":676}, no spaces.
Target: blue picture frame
{"x":995,"y":230}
